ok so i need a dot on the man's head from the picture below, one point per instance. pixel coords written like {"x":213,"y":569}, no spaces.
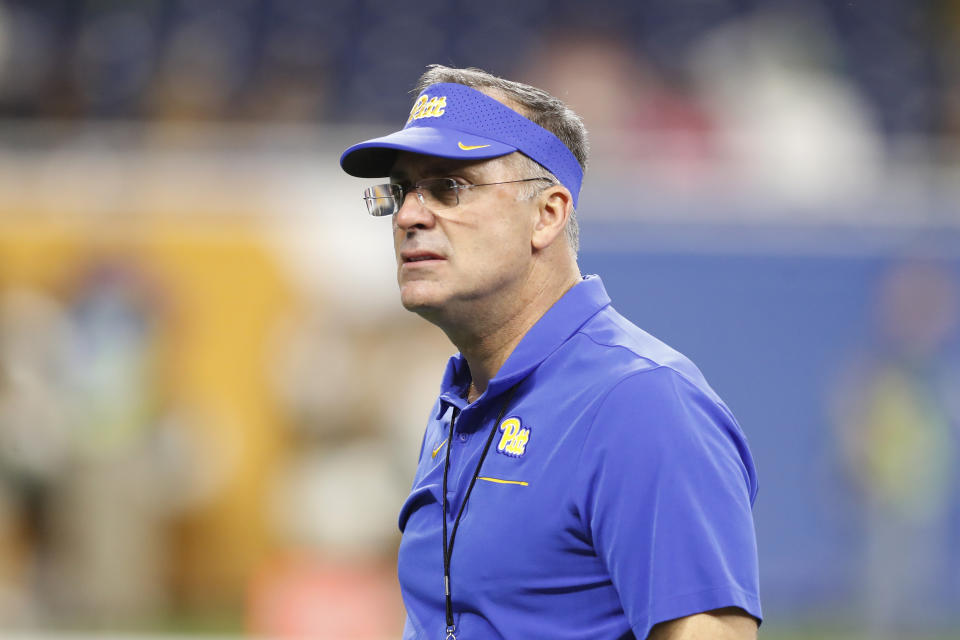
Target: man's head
{"x":484,"y":178}
{"x":534,"y":104}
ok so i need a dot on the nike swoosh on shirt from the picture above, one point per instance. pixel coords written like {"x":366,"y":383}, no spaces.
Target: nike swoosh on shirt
{"x":437,"y":450}
{"x":471,"y":147}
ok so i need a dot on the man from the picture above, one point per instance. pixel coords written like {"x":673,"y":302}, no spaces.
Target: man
{"x":578,"y":478}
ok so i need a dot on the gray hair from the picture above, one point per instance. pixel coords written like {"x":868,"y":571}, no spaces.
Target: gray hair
{"x":535,"y":104}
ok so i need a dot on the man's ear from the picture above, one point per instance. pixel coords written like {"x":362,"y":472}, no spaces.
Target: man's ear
{"x":554,"y":207}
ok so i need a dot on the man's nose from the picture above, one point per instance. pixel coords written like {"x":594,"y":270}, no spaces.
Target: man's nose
{"x":412,"y":213}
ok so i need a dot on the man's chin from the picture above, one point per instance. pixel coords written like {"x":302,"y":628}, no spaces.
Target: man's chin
{"x":421,"y":300}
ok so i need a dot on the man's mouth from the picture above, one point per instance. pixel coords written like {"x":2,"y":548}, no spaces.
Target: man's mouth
{"x":419,"y":257}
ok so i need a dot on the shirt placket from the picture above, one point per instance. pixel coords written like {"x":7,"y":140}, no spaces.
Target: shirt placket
{"x":463,"y":458}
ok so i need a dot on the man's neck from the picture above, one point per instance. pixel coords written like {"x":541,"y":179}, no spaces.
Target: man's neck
{"x":488,"y":345}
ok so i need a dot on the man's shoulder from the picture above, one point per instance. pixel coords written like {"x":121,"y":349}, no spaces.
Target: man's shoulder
{"x":647,"y":387}
{"x":620,"y":349}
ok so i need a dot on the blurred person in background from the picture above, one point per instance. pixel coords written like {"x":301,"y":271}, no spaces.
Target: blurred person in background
{"x":898,"y":414}
{"x":35,"y":339}
{"x":89,"y":453}
{"x":577,"y":477}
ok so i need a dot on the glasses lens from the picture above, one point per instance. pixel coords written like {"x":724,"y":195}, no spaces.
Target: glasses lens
{"x":383,"y":199}
{"x":439,"y":194}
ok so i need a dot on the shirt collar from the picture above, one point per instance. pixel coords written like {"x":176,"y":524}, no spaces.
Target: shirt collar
{"x":561,"y":321}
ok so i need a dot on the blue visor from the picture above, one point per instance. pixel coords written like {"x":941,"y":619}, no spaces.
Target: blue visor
{"x":455,"y":121}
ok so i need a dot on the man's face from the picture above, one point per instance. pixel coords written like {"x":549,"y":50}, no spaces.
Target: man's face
{"x":478,"y":252}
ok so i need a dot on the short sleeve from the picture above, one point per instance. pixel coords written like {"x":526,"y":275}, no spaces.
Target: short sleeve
{"x":665,"y":488}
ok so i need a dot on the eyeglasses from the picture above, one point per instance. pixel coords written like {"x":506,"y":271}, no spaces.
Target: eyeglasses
{"x":434,"y":194}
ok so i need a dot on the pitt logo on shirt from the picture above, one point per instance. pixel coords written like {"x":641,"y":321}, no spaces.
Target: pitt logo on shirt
{"x":427,"y":107}
{"x":514,"y":440}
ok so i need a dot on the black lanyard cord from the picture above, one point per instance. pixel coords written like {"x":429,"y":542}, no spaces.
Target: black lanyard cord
{"x":448,"y":548}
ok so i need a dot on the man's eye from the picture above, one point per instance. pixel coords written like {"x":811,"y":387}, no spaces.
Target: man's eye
{"x":444,"y":192}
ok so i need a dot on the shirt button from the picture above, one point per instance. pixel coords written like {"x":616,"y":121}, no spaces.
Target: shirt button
{"x":463,"y":437}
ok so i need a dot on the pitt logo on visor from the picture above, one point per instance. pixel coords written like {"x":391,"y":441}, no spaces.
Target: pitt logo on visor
{"x":514,"y":440}
{"x":427,"y":107}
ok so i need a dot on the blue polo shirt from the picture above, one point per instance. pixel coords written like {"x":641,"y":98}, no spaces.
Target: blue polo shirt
{"x":616,"y":494}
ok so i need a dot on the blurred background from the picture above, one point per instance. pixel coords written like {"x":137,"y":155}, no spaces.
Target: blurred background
{"x":211,"y":400}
